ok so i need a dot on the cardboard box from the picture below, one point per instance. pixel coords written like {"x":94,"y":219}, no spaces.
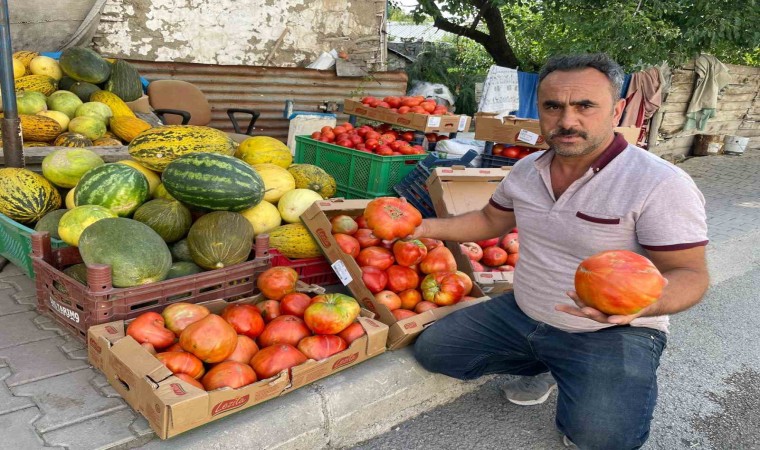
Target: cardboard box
{"x":458,"y":190}
{"x":401,"y":333}
{"x":172,"y":406}
{"x":509,"y":130}
{"x":421,"y":122}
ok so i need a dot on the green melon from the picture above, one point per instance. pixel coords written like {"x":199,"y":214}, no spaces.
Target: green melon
{"x":84,"y":64}
{"x":65,"y":102}
{"x":137,"y":254}
{"x":220,"y":239}
{"x":213,"y":181}
{"x":182,"y":269}
{"x":76,"y":220}
{"x":78,"y":272}
{"x":117,"y":187}
{"x":64,"y":167}
{"x":95,"y":109}
{"x":124,"y":81}
{"x":170,"y":219}
{"x":181,"y":251}
{"x":26,"y":196}
{"x":49,"y":223}
{"x":91,"y":127}
{"x":83,"y":90}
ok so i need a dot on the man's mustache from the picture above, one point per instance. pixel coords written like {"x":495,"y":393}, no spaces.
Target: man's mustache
{"x":567,"y":132}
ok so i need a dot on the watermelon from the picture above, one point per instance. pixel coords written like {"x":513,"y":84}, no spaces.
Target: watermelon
{"x":213,"y":181}
{"x":64,"y":167}
{"x":124,"y":81}
{"x":49,"y":223}
{"x":26,"y":196}
{"x":170,"y":219}
{"x":84,"y":64}
{"x":78,"y":272}
{"x":117,"y":187}
{"x":220,"y":239}
{"x":137,"y":254}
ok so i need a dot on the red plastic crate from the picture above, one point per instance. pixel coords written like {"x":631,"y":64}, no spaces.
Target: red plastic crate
{"x":77,"y":307}
{"x":310,"y":270}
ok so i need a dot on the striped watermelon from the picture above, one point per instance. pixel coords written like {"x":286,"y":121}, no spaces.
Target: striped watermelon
{"x":26,"y":196}
{"x":117,"y":187}
{"x":213,"y":181}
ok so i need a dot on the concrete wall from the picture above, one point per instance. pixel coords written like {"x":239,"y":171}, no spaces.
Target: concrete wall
{"x":281,"y":33}
{"x":738,"y":111}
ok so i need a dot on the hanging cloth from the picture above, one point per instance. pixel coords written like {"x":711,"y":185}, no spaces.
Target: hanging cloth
{"x":712,"y":76}
{"x":643,"y":98}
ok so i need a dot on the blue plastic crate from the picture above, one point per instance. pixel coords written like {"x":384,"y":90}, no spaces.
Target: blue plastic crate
{"x":413,"y":187}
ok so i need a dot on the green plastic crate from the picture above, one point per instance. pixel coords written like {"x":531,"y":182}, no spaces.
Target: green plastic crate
{"x":357,"y":174}
{"x":16,"y":244}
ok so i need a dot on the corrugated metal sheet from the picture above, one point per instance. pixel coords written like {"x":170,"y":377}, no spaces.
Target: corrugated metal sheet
{"x":266,"y":89}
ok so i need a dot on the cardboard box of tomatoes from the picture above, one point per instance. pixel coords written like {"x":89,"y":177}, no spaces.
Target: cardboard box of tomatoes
{"x":434,"y":121}
{"x":458,"y":190}
{"x":509,"y":130}
{"x":173,"y":403}
{"x":405,"y":321}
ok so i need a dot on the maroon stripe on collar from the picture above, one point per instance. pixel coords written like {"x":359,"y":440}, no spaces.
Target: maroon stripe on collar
{"x":615,"y":148}
{"x":669,"y":248}
{"x":493,"y":203}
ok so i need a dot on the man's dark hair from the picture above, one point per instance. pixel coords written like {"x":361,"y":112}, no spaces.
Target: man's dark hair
{"x":599,"y":61}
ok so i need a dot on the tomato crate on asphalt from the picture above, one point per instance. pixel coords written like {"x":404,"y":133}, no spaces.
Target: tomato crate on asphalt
{"x":413,"y":187}
{"x":16,"y":244}
{"x":77,"y":307}
{"x":357,"y":174}
{"x":310,"y":270}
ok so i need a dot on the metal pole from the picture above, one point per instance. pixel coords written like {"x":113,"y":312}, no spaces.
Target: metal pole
{"x":13,"y":150}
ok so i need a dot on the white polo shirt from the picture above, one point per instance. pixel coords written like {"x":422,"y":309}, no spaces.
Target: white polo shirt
{"x":629,"y":199}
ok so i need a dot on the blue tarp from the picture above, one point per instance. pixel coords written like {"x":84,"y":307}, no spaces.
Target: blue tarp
{"x":528,"y":85}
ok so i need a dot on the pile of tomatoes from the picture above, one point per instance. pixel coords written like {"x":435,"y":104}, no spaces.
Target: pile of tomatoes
{"x":382,"y":140}
{"x":408,"y":276}
{"x":247,"y":342}
{"x":402,"y":105}
{"x":512,"y":151}
{"x":493,"y":255}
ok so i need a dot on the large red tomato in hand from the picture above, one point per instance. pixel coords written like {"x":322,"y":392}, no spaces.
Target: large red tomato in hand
{"x":245,"y":319}
{"x":439,"y":259}
{"x":409,"y":252}
{"x":618,"y":282}
{"x":211,"y":339}
{"x":182,"y":362}
{"x":179,"y":315}
{"x":379,"y":257}
{"x":229,"y":374}
{"x":270,"y":361}
{"x":392,"y":218}
{"x":331,"y":313}
{"x":442,"y":288}
{"x":374,"y":278}
{"x":149,"y":328}
{"x":284,"y":330}
{"x":321,"y":346}
{"x":275,"y":282}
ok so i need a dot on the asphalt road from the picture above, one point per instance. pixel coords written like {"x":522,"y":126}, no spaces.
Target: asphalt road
{"x":709,"y":381}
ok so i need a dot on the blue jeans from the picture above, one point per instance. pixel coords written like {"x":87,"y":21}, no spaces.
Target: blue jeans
{"x":607,"y":379}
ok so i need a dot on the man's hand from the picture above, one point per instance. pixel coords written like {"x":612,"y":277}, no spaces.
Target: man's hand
{"x":581,"y":310}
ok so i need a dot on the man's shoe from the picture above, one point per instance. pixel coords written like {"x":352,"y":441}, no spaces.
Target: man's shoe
{"x":568,"y":443}
{"x":528,"y":391}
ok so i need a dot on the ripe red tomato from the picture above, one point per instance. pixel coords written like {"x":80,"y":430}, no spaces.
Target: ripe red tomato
{"x":410,"y":298}
{"x":275,"y":282}
{"x":284,"y":330}
{"x":392,"y":218}
{"x":339,"y":130}
{"x":321,"y":346}
{"x":352,"y":333}
{"x":511,"y":152}
{"x":618,"y":282}
{"x":403,"y":109}
{"x":366,"y":238}
{"x":211,"y":339}
{"x":344,"y":224}
{"x":182,"y":362}
{"x":316,"y":135}
{"x":440,"y":259}
{"x":349,"y":244}
{"x":374,"y":278}
{"x":401,"y":278}
{"x":389,"y":299}
{"x":229,"y":374}
{"x":409,"y":252}
{"x":442,"y":288}
{"x":178,"y":316}
{"x":498,"y":149}
{"x":245,"y":319}
{"x":494,"y":256}
{"x":401,"y":314}
{"x":149,"y":328}
{"x":244,"y":351}
{"x":270,"y":361}
{"x":326,"y":129}
{"x":408,"y":136}
{"x":294,"y":304}
{"x":423,"y":306}
{"x":270,"y":310}
{"x":375,"y":256}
